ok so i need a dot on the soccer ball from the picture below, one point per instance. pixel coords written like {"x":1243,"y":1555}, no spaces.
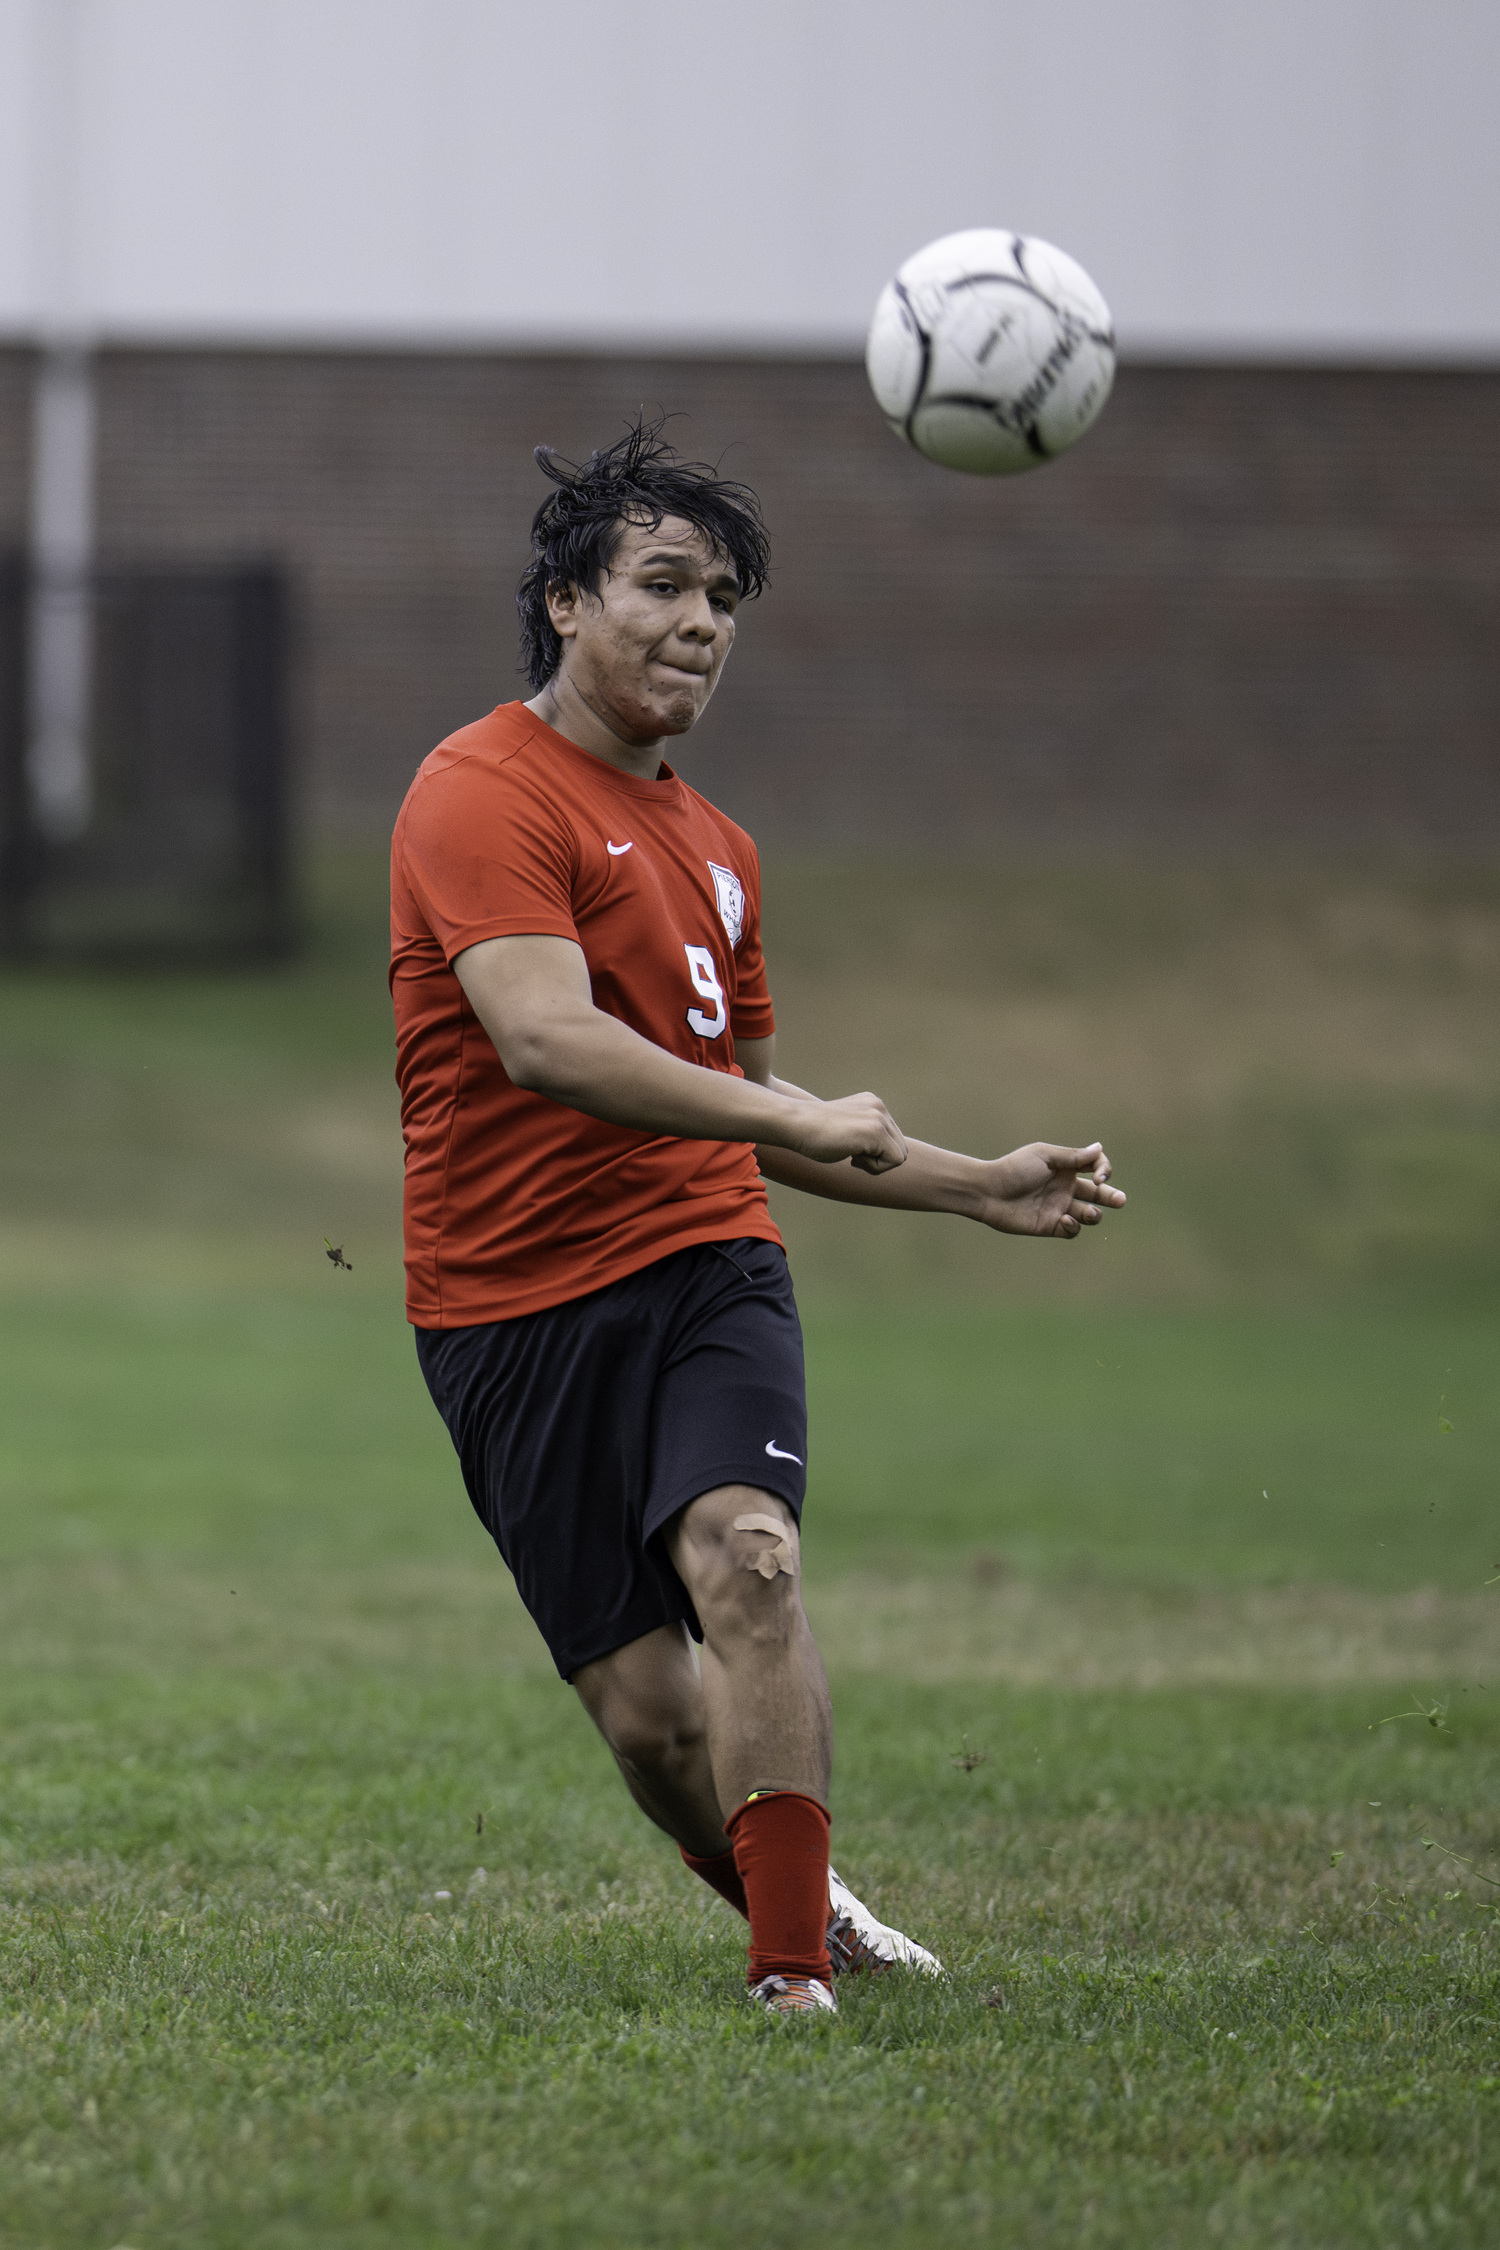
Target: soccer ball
{"x":990,"y":352}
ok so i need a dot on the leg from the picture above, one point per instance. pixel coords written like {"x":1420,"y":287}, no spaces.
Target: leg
{"x":647,"y":1701}
{"x":769,"y":1732}
{"x":765,"y":1696}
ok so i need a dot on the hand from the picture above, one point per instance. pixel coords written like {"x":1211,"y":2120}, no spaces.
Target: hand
{"x":1045,"y":1190}
{"x":859,"y":1127}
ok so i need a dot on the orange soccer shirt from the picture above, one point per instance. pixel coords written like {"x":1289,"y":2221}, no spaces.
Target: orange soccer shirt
{"x":514,"y":1201}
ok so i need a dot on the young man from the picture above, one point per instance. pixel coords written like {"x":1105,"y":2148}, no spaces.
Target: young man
{"x":602,"y":1307}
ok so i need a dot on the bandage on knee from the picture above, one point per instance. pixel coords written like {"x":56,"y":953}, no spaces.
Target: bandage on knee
{"x":770,"y":1560}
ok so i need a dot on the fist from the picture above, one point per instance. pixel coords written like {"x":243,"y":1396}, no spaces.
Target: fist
{"x":859,"y":1129}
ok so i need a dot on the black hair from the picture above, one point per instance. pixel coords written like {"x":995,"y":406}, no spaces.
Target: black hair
{"x":576,"y":531}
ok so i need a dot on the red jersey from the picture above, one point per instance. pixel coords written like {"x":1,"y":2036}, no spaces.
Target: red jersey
{"x":514,"y":1201}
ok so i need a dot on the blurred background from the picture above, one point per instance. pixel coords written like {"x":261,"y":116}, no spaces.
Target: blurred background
{"x":1155,"y":796}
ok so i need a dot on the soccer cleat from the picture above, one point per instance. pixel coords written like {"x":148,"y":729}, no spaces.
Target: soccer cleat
{"x":856,"y":1941}
{"x":794,"y":1996}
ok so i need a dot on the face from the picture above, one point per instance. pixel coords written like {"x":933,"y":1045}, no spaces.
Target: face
{"x":646,"y":652}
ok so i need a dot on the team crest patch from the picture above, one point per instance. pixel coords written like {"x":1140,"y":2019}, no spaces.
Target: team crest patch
{"x":731,"y":900}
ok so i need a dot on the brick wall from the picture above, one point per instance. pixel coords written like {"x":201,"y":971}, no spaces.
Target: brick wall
{"x":1254,"y":607}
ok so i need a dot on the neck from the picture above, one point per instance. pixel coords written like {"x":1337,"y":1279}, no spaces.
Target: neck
{"x":563,"y":707}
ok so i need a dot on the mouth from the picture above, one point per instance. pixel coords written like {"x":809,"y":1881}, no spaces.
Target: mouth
{"x":684,"y":671}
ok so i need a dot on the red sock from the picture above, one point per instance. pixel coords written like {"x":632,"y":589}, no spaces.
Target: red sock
{"x":781,"y":1850}
{"x":721,"y":1874}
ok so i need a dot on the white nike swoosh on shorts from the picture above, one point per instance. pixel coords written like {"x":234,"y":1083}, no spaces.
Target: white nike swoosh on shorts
{"x":777,"y":1455}
{"x":615,"y":850}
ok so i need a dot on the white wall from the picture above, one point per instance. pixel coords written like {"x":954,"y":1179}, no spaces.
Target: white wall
{"x":1302,"y":177}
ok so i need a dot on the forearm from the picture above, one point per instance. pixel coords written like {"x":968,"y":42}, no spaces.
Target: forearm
{"x":600,"y":1066}
{"x":931,"y":1179}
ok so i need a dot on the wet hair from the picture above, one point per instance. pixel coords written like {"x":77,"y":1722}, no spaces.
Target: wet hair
{"x":576,"y":532}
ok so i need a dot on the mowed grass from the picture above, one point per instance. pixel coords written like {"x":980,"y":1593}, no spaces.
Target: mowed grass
{"x":1121,"y":1557}
{"x":239,"y":2009}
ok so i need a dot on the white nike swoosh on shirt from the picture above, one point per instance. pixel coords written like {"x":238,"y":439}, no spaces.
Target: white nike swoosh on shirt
{"x":777,"y":1455}
{"x":615,"y":850}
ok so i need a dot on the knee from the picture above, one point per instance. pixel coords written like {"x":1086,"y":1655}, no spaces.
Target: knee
{"x":744,"y":1569}
{"x":745,"y":1609}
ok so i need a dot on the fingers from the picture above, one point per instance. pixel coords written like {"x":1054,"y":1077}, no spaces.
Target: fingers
{"x":858,"y":1128}
{"x":1076,"y":1159}
{"x":1086,"y":1210}
{"x":880,"y":1146}
{"x":884,"y":1159}
{"x":1092,"y":1169}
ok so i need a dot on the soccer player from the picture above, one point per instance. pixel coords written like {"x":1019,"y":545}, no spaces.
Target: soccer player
{"x":601,"y":1301}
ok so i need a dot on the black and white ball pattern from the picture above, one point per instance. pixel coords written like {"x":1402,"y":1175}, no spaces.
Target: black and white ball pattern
{"x":991,"y":352}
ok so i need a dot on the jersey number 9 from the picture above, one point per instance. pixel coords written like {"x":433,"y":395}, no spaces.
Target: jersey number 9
{"x":705,"y":981}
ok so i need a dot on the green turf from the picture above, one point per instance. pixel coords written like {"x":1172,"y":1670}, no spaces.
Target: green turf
{"x":182,"y":1414}
{"x":261,"y":1680}
{"x":238,"y":2011}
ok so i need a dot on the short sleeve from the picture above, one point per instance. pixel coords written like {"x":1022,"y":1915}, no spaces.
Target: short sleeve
{"x":485,"y":856}
{"x":751,"y":1015}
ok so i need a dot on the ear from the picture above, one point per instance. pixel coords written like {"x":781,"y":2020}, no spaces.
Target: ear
{"x":562,"y":609}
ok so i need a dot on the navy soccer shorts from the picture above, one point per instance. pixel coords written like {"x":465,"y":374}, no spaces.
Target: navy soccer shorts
{"x":583,"y":1429}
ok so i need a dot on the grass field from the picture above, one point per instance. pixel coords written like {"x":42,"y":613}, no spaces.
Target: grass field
{"x":323,"y":1919}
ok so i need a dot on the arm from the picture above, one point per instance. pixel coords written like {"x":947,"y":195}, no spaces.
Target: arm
{"x":533,"y":997}
{"x":1039,"y":1189}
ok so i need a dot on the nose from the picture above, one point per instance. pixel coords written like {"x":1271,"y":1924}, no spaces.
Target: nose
{"x":699,"y":621}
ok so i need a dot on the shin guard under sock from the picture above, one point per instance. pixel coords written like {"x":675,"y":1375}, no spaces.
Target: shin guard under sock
{"x":781,"y":1850}
{"x":721,"y":1874}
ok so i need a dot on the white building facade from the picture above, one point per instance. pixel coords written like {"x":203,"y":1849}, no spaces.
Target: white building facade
{"x":1292,"y":179}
